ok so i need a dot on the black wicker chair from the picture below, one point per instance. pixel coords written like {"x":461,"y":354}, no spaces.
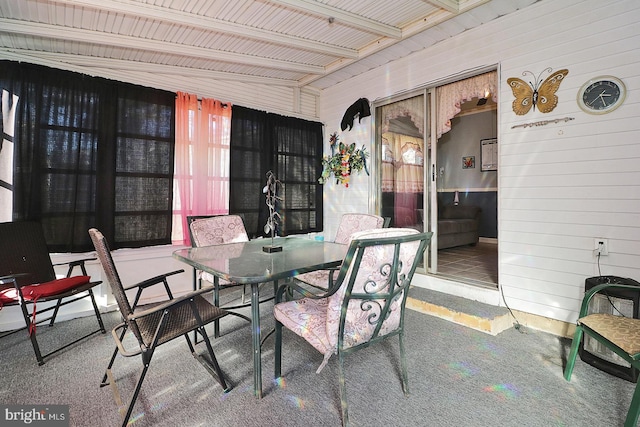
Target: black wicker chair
{"x":155,"y":325}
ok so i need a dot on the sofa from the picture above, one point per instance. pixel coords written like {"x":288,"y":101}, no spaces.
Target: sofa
{"x":458,"y":225}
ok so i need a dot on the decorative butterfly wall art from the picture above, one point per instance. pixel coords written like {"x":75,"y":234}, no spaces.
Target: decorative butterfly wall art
{"x":541,"y":95}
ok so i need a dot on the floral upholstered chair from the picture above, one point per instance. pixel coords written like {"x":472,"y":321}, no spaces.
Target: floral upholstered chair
{"x":217,"y":230}
{"x":349,"y":224}
{"x":366,"y":304}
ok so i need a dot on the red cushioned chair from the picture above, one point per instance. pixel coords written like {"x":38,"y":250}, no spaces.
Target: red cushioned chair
{"x":27,"y":279}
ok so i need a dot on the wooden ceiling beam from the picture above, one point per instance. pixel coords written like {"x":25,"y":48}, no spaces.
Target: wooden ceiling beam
{"x":106,"y":39}
{"x":452,"y":6}
{"x":92,"y":62}
{"x":342,"y":17}
{"x":178,"y":17}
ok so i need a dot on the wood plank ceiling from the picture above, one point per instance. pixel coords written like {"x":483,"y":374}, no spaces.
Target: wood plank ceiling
{"x":291,"y":43}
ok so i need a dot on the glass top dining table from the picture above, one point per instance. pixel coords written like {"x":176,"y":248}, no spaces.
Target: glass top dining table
{"x":247,"y":263}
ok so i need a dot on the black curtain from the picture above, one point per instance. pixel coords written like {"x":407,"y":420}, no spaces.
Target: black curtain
{"x":292,"y":149}
{"x":91,"y":152}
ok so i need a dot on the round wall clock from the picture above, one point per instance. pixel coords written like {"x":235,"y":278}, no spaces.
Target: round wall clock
{"x":601,"y":95}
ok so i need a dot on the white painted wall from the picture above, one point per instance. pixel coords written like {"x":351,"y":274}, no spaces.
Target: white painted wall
{"x":560,"y":185}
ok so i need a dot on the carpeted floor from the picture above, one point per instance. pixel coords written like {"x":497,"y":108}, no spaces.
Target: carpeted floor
{"x":457,"y":377}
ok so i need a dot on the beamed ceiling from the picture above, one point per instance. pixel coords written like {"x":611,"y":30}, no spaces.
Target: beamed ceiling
{"x":309,"y":44}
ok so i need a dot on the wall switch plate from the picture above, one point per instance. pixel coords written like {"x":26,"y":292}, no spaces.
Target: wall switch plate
{"x":601,"y":246}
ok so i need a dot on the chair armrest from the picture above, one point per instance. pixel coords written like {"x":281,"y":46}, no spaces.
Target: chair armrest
{"x":123,"y":351}
{"x":332,"y":271}
{"x":152,"y":281}
{"x":74,"y":264}
{"x":5,"y":280}
{"x":292,"y":287}
{"x":584,"y":309}
{"x":13,"y":279}
{"x":168,"y":304}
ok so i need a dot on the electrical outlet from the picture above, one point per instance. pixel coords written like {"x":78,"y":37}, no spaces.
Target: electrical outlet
{"x":601,"y":246}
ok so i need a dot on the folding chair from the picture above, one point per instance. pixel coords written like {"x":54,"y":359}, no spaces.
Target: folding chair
{"x":156,"y":324}
{"x":28,"y":277}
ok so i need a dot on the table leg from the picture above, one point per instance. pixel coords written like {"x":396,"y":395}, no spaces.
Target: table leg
{"x":255,"y":335}
{"x":216,"y":302}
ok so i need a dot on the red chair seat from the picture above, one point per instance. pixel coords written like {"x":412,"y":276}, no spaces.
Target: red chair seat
{"x":38,"y":290}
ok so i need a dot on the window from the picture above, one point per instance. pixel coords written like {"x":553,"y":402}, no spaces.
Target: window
{"x":91,"y":152}
{"x":202,"y":161}
{"x":292,"y":149}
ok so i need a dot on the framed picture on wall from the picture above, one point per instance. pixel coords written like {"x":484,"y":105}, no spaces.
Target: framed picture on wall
{"x":468,"y":162}
{"x":489,"y":154}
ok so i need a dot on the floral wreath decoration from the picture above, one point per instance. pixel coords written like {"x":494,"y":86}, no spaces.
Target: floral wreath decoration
{"x":342,"y":164}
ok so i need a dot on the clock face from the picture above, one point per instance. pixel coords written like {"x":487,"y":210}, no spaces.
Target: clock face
{"x":601,"y":95}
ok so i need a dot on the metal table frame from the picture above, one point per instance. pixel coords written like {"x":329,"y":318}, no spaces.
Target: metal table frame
{"x":248,"y":263}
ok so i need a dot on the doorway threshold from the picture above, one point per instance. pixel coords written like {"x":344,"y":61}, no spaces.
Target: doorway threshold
{"x":469,"y":281}
{"x":472,"y":314}
{"x":453,"y":286}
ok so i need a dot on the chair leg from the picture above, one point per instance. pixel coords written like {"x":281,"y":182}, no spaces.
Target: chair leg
{"x":244,"y":294}
{"x":132,"y":402}
{"x":113,"y":359}
{"x":403,"y":365}
{"x":104,"y":382}
{"x":214,"y":367}
{"x":216,"y":302}
{"x":278,"y":351}
{"x":32,"y":334}
{"x":634,"y":409}
{"x":97,"y":311}
{"x":573,"y":353}
{"x":55,"y":312}
{"x":343,"y":390}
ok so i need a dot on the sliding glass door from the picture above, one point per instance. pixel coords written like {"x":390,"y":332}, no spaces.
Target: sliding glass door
{"x":412,"y":178}
{"x":401,"y":155}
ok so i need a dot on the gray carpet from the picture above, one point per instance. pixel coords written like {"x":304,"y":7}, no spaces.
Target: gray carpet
{"x":457,"y":377}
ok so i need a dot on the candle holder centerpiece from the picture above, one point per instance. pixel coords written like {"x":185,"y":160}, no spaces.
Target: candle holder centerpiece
{"x":271,"y":195}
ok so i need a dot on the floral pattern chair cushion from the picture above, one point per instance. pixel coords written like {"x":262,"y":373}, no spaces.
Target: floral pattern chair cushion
{"x":217,"y":230}
{"x":353,"y":222}
{"x":349,"y":223}
{"x":317,"y":320}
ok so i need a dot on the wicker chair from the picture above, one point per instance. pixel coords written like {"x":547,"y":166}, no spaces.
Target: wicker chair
{"x":617,"y":333}
{"x":28,"y":279}
{"x":349,"y":224}
{"x":366,"y":305}
{"x":155,"y":325}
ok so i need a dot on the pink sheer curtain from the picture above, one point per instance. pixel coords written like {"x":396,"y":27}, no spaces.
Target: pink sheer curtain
{"x":201,"y":181}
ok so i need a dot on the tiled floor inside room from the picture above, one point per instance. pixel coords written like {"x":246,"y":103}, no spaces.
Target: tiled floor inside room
{"x":476,"y":265}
